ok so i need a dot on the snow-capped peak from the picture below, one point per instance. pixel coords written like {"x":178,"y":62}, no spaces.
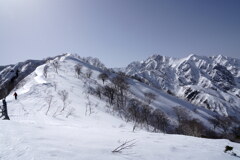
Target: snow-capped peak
{"x":215,"y":78}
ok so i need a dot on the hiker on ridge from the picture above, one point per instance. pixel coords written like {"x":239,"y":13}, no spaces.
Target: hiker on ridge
{"x":15,"y":95}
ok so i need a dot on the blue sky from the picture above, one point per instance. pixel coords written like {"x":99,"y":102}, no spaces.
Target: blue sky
{"x":118,"y":31}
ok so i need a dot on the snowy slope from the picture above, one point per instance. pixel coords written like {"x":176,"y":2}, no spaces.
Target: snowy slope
{"x":11,"y":75}
{"x":87,"y":139}
{"x":40,"y":88}
{"x":36,"y":132}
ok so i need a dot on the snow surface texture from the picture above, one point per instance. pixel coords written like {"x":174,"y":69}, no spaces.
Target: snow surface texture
{"x":37,"y":132}
{"x":211,"y":82}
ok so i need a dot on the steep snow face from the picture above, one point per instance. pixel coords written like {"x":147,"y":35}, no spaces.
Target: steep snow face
{"x":212,"y":82}
{"x":13,"y":74}
{"x":43,"y":126}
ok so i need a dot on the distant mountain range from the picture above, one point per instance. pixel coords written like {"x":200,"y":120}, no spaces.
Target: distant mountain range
{"x":209,"y":82}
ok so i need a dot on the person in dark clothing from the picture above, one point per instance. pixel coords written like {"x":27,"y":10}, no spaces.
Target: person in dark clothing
{"x":15,"y":95}
{"x":5,"y":112}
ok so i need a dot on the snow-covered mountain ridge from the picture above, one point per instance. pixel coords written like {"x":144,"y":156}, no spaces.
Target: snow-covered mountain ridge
{"x":89,"y":123}
{"x":212,"y":82}
{"x":12,"y":74}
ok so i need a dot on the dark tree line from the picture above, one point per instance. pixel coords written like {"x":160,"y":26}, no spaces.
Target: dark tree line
{"x":141,"y":113}
{"x":188,"y":125}
{"x":116,"y":94}
{"x":229,"y":127}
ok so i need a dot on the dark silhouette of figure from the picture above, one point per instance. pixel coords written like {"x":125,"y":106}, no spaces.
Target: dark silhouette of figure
{"x":228,"y":148}
{"x":4,"y":112}
{"x":15,"y":95}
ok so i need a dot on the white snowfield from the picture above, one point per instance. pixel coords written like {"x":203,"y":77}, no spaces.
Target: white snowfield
{"x":72,"y":133}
